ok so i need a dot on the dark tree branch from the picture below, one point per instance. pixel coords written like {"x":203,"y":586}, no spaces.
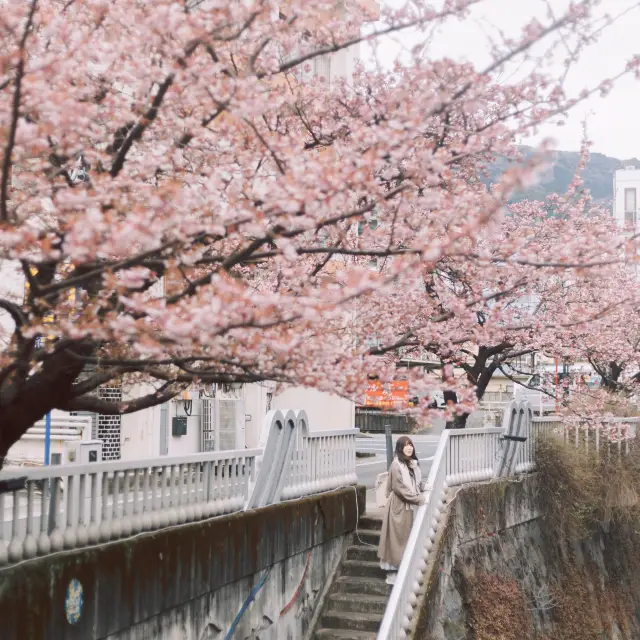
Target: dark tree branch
{"x":139,"y":128}
{"x":15,"y":115}
{"x":14,"y":311}
{"x":89,"y":403}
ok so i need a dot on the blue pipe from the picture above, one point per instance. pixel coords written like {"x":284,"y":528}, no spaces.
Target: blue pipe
{"x":247,"y":602}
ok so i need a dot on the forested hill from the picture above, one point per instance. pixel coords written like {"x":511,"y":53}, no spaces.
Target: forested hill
{"x":598,"y":175}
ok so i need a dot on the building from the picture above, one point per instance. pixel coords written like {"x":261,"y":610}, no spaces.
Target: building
{"x":626,"y":192}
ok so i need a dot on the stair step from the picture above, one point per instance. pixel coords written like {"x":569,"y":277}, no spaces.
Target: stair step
{"x":352,"y":621}
{"x":362,"y":569}
{"x":361,"y":603}
{"x":344,"y":634}
{"x":369,"y":536}
{"x":361,"y":586}
{"x":360,"y":552}
{"x":370,"y":522}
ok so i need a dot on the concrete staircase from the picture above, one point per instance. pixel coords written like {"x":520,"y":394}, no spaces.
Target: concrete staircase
{"x":356,"y":601}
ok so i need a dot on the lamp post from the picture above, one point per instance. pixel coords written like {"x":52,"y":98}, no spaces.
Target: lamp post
{"x":556,"y":385}
{"x":47,"y":439}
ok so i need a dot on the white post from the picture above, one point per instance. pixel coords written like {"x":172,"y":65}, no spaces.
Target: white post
{"x":44,"y":544}
{"x":94,"y":529}
{"x":56,"y":538}
{"x":70,"y":529}
{"x":116,"y":521}
{"x":105,"y":522}
{"x":30,"y":547}
{"x":4,"y":555}
{"x":15,"y":545}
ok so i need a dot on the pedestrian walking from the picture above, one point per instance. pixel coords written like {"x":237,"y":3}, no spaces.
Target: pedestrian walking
{"x":404,"y":495}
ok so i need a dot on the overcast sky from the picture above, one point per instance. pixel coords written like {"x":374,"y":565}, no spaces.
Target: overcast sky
{"x":613,"y":122}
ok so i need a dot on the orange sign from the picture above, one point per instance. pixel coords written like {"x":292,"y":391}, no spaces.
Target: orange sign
{"x":390,"y":395}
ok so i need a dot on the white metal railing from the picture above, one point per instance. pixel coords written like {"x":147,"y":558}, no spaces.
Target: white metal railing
{"x":496,"y":397}
{"x":611,"y":433}
{"x":464,"y":455}
{"x":48,"y":509}
{"x":469,"y":455}
{"x":472,"y":455}
{"x":68,"y":428}
{"x":411,"y":573}
{"x":320,"y":462}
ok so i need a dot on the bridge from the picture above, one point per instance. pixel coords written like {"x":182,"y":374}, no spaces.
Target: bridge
{"x":248,"y":543}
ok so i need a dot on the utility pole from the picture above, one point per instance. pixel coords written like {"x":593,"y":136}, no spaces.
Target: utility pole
{"x":387,"y":433}
{"x":47,"y":439}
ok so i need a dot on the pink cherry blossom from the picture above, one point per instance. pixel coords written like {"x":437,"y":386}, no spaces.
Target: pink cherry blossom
{"x":187,"y":202}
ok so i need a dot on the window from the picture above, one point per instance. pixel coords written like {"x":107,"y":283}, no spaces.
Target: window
{"x":630,"y":205}
{"x":322,"y":67}
{"x":372,"y":223}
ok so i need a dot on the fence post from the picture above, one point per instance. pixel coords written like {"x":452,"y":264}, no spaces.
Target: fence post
{"x":387,"y":435}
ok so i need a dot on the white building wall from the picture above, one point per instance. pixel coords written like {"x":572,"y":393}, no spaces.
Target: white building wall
{"x":325,"y":411}
{"x":626,"y":189}
{"x":258,"y":400}
{"x":189,"y":443}
{"x":140,"y":434}
{"x":12,"y":289}
{"x":30,"y":450}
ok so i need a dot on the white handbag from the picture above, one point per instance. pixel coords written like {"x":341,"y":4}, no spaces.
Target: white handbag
{"x":383,"y":489}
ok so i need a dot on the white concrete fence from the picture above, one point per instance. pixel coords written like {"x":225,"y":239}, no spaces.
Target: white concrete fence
{"x":70,"y":506}
{"x":476,"y":455}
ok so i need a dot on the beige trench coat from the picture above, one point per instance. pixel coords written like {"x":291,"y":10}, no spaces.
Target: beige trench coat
{"x":398,"y":515}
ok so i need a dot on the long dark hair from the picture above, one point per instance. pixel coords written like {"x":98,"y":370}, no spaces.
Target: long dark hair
{"x":401,"y":443}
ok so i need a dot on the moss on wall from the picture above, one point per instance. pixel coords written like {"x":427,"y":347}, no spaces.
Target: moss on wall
{"x":134,"y":579}
{"x":503,"y":571}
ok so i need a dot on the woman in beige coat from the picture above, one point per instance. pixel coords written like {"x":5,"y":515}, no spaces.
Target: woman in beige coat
{"x":404,"y":494}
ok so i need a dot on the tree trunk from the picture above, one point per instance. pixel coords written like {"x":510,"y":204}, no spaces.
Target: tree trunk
{"x":40,"y":394}
{"x":460,"y":421}
{"x":480,"y":375}
{"x":450,"y":396}
{"x":610,"y":381}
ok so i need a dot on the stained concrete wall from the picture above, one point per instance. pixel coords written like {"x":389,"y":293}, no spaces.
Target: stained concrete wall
{"x":501,"y":571}
{"x":188,"y":582}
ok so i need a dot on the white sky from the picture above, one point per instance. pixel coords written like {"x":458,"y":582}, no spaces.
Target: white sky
{"x":613,"y":122}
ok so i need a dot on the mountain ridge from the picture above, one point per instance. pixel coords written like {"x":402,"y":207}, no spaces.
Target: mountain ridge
{"x":597,"y":175}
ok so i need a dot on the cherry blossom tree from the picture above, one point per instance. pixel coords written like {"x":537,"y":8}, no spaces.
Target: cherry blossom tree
{"x":611,"y":344}
{"x":182,"y":196}
{"x":546,"y":276}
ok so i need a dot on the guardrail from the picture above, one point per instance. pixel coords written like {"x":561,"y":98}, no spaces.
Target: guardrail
{"x":48,"y":509}
{"x":464,"y":455}
{"x":320,"y":462}
{"x":70,"y":506}
{"x":467,"y":455}
{"x":612,"y":433}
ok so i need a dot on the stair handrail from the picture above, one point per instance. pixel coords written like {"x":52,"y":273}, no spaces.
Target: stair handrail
{"x":404,"y":595}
